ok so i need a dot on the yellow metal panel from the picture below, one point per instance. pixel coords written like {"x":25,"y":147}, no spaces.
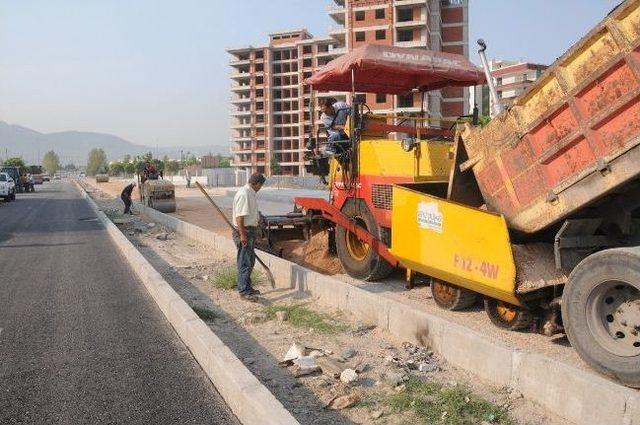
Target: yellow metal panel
{"x":458,"y":244}
{"x":431,"y":161}
{"x":629,"y":22}
{"x":590,"y":56}
{"x":543,"y":96}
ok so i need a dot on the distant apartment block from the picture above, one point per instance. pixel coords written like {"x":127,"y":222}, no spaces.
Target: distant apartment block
{"x":511,"y":79}
{"x":270,"y":105}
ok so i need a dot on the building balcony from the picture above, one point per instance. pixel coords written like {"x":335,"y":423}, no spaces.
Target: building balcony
{"x":240,"y":88}
{"x":422,"y":22}
{"x":338,"y":32}
{"x":241,"y":150}
{"x":240,"y":164}
{"x":240,"y":100}
{"x":337,"y":13}
{"x":238,"y":62}
{"x":414,"y":43}
{"x":409,"y":2}
{"x":239,"y":125}
{"x":240,"y":139}
{"x":238,"y":113}
{"x":239,"y":75}
{"x":333,"y":52}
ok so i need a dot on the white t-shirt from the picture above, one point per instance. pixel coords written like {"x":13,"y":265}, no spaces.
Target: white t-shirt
{"x":245,"y":205}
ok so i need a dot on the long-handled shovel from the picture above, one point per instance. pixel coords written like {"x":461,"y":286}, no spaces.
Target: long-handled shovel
{"x":272,"y":281}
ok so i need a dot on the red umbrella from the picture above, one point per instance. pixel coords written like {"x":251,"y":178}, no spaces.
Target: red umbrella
{"x":395,"y":70}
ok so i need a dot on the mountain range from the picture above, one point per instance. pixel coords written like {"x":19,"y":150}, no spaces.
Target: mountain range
{"x":74,"y":146}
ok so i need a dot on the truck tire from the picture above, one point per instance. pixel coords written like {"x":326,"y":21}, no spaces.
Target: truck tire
{"x":357,"y":258}
{"x":507,"y":316}
{"x":601,"y":313}
{"x":451,"y":297}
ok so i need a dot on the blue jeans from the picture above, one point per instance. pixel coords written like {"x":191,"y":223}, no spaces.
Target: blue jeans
{"x":337,"y":142}
{"x":245,"y":259}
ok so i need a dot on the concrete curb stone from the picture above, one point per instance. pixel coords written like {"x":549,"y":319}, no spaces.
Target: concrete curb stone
{"x":250,"y":401}
{"x":574,"y":394}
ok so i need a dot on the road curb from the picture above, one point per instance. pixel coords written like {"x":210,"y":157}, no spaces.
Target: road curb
{"x":250,"y":401}
{"x":579,"y":396}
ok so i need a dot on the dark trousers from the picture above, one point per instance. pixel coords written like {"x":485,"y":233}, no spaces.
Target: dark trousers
{"x":245,"y":259}
{"x":127,"y":204}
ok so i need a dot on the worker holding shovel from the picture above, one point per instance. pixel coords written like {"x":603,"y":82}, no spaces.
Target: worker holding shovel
{"x":245,"y":224}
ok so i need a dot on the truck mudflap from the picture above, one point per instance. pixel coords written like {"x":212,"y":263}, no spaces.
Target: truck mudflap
{"x":334,"y":215}
{"x":465,"y":246}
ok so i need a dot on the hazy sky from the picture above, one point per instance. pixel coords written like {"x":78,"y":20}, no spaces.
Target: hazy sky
{"x":155,"y":72}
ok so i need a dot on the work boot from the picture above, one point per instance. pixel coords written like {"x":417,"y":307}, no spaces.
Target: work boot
{"x":249,"y":297}
{"x":254,"y":291}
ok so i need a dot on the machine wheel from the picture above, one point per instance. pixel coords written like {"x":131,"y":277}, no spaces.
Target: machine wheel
{"x":507,"y":316}
{"x":165,"y":205}
{"x":601,"y":313}
{"x":452,"y":297}
{"x":357,"y":257}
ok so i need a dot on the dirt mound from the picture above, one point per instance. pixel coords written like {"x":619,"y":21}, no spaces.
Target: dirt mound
{"x":313,"y":254}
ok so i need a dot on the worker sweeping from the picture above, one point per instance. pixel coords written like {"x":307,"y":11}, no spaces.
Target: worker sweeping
{"x":245,"y":222}
{"x":126,"y":197}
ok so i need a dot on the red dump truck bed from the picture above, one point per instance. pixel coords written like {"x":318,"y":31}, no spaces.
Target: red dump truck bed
{"x":572,"y":137}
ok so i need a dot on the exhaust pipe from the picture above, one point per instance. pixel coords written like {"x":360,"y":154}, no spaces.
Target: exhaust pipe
{"x":496,"y":105}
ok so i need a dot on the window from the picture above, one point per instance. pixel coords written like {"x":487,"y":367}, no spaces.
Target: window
{"x":405,"y":35}
{"x":405,"y":15}
{"x":405,"y":101}
{"x":360,"y":36}
{"x":360,"y":15}
{"x":259,"y":54}
{"x":361,"y":98}
{"x":379,"y":13}
{"x":381,"y":98}
{"x":381,"y":34}
{"x":3,"y":177}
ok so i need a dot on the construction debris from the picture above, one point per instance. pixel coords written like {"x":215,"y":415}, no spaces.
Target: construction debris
{"x":295,"y":352}
{"x":348,"y":376}
{"x":329,"y":366}
{"x":342,"y":402}
{"x":306,"y":365}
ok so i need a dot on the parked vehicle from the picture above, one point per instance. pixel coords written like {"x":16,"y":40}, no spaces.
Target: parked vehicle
{"x":7,"y":187}
{"x":37,"y":174}
{"x":46,"y":177}
{"x":19,"y":177}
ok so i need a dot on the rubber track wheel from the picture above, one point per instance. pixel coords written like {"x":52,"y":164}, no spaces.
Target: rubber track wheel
{"x":372,"y":266}
{"x":523,"y":318}
{"x":451,"y":297}
{"x":621,"y":264}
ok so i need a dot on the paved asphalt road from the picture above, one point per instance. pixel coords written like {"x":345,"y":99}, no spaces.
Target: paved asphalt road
{"x":81,"y":342}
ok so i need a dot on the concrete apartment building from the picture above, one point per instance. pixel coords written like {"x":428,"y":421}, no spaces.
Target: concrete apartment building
{"x":270,"y":115}
{"x":511,"y":79}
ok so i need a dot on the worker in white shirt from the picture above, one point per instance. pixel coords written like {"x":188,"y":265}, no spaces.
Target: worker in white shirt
{"x":245,"y":221}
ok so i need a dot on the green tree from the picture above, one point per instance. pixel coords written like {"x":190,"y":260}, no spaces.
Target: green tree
{"x":70,"y":167}
{"x":127,"y":158}
{"x":130,"y":168}
{"x":172,"y":166}
{"x":225,"y":162}
{"x":97,"y":162}
{"x":116,"y":168}
{"x":190,"y":160}
{"x":484,"y":120}
{"x":51,"y":162}
{"x":14,"y":162}
{"x":276,"y":170}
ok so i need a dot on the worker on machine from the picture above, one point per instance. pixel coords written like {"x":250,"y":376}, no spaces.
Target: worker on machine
{"x":245,"y":222}
{"x":334,"y":118}
{"x":149,"y":173}
{"x":126,"y":197}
